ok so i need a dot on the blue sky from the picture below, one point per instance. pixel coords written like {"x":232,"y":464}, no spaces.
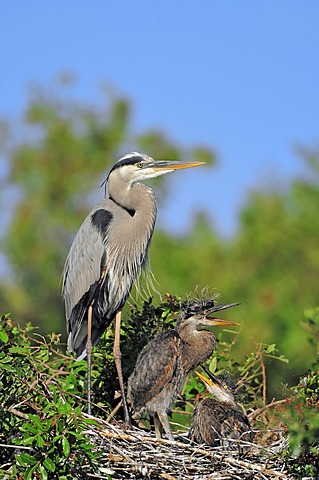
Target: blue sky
{"x":241,"y":77}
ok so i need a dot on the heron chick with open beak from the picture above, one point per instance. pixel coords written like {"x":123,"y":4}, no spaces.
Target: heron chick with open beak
{"x":218,"y":420}
{"x":165,"y":363}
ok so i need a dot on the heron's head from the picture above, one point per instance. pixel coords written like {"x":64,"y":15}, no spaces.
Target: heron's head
{"x":219,"y":388}
{"x":192,"y":319}
{"x":135,"y":167}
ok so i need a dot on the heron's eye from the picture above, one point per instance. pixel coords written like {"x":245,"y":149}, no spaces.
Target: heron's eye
{"x":139,"y":165}
{"x":225,"y":387}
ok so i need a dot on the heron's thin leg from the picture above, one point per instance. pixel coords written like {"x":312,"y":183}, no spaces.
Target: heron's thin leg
{"x":118,"y":363}
{"x":89,"y":356}
{"x":165,"y":422}
{"x":158,"y":426}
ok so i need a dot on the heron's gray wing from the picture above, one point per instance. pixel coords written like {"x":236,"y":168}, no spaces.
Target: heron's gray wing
{"x":155,"y":368}
{"x":84,"y":266}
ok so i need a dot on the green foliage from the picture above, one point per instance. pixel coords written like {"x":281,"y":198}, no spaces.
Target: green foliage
{"x":62,"y":154}
{"x":43,"y":394}
{"x":301,"y":418}
{"x":41,"y":420}
{"x":298,"y":413}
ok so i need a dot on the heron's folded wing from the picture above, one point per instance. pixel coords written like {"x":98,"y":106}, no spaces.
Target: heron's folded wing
{"x":155,"y":368}
{"x":236,"y":425}
{"x":83,"y":268}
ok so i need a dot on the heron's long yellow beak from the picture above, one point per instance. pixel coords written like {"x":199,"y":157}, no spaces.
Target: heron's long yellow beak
{"x":174,"y":165}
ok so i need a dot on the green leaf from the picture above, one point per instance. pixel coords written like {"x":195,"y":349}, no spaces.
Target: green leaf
{"x":40,"y":441}
{"x":26,"y":441}
{"x":36,"y":421}
{"x":24,"y":459}
{"x":66,"y":447}
{"x":3,"y":336}
{"x":56,"y":438}
{"x":28,"y":427}
{"x":48,"y":464}
{"x":43,"y":473}
{"x":213,"y":364}
{"x":270,"y":348}
{"x":90,"y":421}
{"x":28,"y":474}
{"x":5,"y":359}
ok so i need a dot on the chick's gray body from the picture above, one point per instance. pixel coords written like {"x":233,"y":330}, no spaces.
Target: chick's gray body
{"x":161,"y":370}
{"x":218,"y":420}
{"x":214,"y":423}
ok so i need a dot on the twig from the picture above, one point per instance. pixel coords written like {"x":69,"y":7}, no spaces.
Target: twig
{"x":196,"y":450}
{"x":261,"y":410}
{"x":17,"y":413}
{"x":264,"y":377}
{"x":16,"y":447}
{"x":111,"y":415}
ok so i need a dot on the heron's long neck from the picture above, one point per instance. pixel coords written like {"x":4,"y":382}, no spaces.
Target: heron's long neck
{"x":135,"y":199}
{"x":198,"y":347}
{"x":139,"y":202}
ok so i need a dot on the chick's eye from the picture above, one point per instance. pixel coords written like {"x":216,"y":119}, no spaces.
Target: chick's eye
{"x":139,"y":165}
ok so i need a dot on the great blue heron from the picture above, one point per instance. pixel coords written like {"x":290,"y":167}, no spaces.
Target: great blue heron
{"x":108,"y":254}
{"x":218,"y":420}
{"x":164,"y":364}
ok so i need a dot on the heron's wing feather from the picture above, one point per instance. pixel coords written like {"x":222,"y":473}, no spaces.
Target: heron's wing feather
{"x":83,"y":265}
{"x":205,"y":426}
{"x":155,"y":368}
{"x":84,"y":268}
{"x":235,"y":425}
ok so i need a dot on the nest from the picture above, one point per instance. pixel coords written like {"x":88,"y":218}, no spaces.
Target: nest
{"x":136,"y":454}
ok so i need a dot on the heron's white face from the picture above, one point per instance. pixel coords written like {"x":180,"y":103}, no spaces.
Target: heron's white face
{"x":136,"y":167}
{"x":218,"y":388}
{"x":139,"y":172}
{"x":221,"y":392}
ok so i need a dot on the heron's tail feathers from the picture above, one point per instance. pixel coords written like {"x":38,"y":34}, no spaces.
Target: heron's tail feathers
{"x":78,"y":343}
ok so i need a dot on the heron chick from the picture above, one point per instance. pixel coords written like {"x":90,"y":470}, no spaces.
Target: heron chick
{"x":164,"y":364}
{"x":108,"y":254}
{"x":218,"y":420}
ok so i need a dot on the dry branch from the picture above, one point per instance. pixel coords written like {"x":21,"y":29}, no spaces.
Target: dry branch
{"x":133,"y":453}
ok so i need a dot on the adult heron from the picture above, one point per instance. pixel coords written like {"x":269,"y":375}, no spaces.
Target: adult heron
{"x":218,"y":420}
{"x":108,"y":254}
{"x":164,"y":364}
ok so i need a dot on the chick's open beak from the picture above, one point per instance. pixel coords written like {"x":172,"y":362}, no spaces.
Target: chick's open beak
{"x":218,"y":321}
{"x":207,"y":381}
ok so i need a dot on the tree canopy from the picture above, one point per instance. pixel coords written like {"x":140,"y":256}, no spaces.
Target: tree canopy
{"x":62,"y":154}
